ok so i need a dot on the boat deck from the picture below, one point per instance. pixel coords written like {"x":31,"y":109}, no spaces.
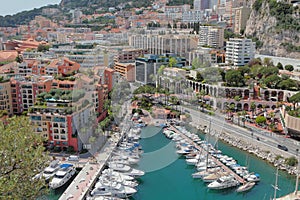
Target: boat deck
{"x":224,"y":167}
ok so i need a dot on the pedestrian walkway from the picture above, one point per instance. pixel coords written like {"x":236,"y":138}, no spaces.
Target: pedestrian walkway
{"x":86,"y":178}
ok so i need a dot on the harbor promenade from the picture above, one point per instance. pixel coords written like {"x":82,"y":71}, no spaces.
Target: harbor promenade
{"x":86,"y":178}
{"x":224,"y":167}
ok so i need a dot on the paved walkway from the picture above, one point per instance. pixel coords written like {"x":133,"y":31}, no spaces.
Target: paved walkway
{"x":80,"y":186}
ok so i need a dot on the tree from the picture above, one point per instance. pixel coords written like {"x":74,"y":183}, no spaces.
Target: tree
{"x":260,"y":120}
{"x":289,"y":67}
{"x":291,"y":161}
{"x":272,"y":80}
{"x":279,"y":66}
{"x":288,"y":84}
{"x":172,"y":62}
{"x":43,"y":48}
{"x":22,"y":157}
{"x":234,"y":78}
{"x":252,"y":107}
{"x":295,"y":99}
{"x":199,"y":77}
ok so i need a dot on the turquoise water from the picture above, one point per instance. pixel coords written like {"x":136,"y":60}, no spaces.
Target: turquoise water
{"x":174,"y":181}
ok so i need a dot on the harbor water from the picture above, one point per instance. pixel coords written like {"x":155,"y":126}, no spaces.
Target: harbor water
{"x":169,"y":177}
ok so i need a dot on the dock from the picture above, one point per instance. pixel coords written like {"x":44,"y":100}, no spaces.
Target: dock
{"x":224,"y":167}
{"x":80,"y":186}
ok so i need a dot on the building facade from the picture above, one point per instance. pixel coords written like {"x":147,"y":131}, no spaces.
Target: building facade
{"x":5,"y":96}
{"x":160,"y":44}
{"x":212,"y":36}
{"x":239,"y":51}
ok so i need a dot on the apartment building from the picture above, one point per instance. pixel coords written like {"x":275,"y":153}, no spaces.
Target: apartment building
{"x":129,"y":55}
{"x":62,"y":129}
{"x":5,"y":96}
{"x":212,"y":36}
{"x":239,"y":51}
{"x":193,"y":16}
{"x":127,"y":70}
{"x":240,"y":20}
{"x":160,"y":44}
{"x":147,"y":67}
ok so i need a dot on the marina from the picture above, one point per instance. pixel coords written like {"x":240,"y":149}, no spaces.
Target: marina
{"x":153,"y":140}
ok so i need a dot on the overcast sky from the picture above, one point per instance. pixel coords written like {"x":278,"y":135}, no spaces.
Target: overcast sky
{"x":10,"y":7}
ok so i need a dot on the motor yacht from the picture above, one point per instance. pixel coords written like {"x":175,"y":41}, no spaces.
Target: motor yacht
{"x":62,"y":176}
{"x":115,"y":190}
{"x":223,"y":183}
{"x":50,"y":171}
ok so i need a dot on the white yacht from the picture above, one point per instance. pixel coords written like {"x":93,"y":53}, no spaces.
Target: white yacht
{"x":245,"y":187}
{"x":125,"y":169}
{"x":50,"y":171}
{"x":114,"y":189}
{"x":111,"y":172}
{"x":252,"y":177}
{"x":62,"y":176}
{"x":223,"y":182}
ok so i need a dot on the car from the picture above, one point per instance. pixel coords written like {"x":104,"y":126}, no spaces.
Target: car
{"x":282,"y":147}
{"x":73,"y":158}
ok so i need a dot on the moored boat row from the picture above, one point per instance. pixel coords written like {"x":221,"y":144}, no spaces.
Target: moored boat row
{"x":219,"y":170}
{"x":119,"y":180}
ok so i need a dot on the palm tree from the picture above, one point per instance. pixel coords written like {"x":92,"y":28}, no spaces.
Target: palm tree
{"x":252,"y":107}
{"x":244,"y":113}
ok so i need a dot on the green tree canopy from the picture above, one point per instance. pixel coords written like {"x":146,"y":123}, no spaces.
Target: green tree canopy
{"x":288,"y":84}
{"x":234,"y":78}
{"x":272,"y":80}
{"x":289,"y":67}
{"x":260,"y":120}
{"x":21,"y":159}
{"x":279,"y":65}
{"x":172,"y":62}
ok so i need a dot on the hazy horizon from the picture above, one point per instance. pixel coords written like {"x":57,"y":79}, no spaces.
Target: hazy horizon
{"x":14,"y":6}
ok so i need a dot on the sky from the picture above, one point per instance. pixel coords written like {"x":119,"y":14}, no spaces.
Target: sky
{"x":10,"y":7}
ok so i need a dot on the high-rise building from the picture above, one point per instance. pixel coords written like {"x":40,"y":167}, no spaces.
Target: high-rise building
{"x":160,"y":44}
{"x":201,"y":5}
{"x":212,"y":36}
{"x":240,"y":20}
{"x":239,"y":51}
{"x":146,"y":67}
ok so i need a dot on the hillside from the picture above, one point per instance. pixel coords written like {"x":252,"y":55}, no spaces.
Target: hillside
{"x":277,"y":26}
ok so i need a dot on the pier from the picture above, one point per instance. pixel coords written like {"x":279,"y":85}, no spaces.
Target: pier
{"x":224,"y":167}
{"x":80,"y":186}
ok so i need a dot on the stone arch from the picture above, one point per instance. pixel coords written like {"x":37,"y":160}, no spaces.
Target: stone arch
{"x":239,"y":106}
{"x":273,"y":107}
{"x":227,"y":93}
{"x":233,"y":93}
{"x":267,"y":95}
{"x":215,"y":92}
{"x":246,"y":94}
{"x":246,"y":106}
{"x":240,"y":93}
{"x":280,"y":96}
{"x":259,"y":106}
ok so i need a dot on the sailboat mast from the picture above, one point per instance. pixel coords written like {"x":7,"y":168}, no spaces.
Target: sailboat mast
{"x":207,"y":146}
{"x":276,"y":185}
{"x":297,"y":176}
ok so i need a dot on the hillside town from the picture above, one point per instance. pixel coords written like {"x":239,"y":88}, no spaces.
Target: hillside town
{"x":81,"y":75}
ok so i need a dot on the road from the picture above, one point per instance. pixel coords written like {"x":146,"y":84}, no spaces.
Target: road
{"x":218,"y":123}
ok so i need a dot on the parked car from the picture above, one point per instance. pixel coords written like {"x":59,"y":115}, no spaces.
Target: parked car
{"x":282,"y":147}
{"x":73,"y":158}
